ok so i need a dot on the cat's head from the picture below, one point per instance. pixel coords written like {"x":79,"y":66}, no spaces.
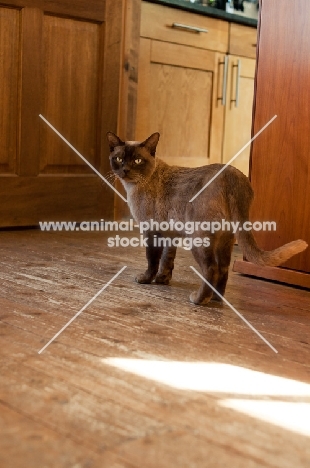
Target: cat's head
{"x":132,"y":161}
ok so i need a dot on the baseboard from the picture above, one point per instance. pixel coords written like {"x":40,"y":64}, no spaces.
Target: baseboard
{"x":284,"y":275}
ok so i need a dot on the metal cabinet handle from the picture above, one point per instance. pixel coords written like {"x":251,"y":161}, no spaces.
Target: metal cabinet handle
{"x":189,"y":28}
{"x":224,"y":85}
{"x":238,"y":66}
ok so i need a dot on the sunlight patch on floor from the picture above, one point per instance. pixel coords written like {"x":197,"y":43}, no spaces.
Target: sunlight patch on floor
{"x":212,"y":377}
{"x":228,"y":380}
{"x":293,"y":416}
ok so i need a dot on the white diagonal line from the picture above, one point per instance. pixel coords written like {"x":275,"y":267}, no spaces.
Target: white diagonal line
{"x":232,"y":159}
{"x":235,"y":310}
{"x":82,"y":157}
{"x":83,"y":308}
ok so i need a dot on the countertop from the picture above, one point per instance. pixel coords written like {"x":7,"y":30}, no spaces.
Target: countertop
{"x":207,"y":11}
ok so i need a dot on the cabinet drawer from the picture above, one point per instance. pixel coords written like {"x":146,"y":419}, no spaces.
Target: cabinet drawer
{"x":166,"y":24}
{"x":243,"y":40}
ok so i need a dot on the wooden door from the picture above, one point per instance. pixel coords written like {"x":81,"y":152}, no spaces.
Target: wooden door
{"x":177,"y":96}
{"x":60,"y":59}
{"x":238,"y":111}
{"x":280,"y":162}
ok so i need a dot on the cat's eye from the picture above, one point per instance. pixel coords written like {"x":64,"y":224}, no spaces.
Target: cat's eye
{"x":118,"y":159}
{"x":138,"y":161}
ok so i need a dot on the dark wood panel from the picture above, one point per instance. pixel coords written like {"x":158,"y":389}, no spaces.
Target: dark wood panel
{"x":71,"y":69}
{"x":92,"y":9}
{"x":120,"y":73}
{"x":31,"y":81}
{"x":280,"y":169}
{"x":129,"y":81}
{"x":26,"y":201}
{"x":129,"y":85}
{"x":9,"y":74}
{"x":23,"y":3}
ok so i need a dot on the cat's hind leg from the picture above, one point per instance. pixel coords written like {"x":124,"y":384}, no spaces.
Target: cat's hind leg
{"x":223,"y":257}
{"x":166,"y":265}
{"x":205,"y":257}
{"x":153,"y":255}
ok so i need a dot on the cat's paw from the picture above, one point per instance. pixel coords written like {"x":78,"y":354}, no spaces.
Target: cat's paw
{"x":162,"y":279}
{"x":217,"y":298}
{"x":196,"y":299}
{"x":144,"y":278}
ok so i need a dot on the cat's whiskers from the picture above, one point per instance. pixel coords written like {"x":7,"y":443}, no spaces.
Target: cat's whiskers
{"x":110,"y":177}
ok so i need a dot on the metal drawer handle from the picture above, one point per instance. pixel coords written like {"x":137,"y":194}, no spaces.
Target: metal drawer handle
{"x":238,"y":66}
{"x":189,"y":28}
{"x":224,"y":85}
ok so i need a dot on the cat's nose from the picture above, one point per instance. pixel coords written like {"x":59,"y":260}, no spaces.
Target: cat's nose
{"x":125,"y":171}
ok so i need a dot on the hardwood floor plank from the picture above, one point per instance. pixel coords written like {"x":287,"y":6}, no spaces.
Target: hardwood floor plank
{"x":37,"y":445}
{"x":69,"y":405}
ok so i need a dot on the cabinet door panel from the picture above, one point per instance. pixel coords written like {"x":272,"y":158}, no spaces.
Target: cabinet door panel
{"x":175,"y":97}
{"x":180,"y":94}
{"x":70,"y":91}
{"x":9,"y":65}
{"x":238,"y":116}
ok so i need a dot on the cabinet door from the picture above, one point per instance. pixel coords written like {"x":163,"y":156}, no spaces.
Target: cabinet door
{"x":177,"y":96}
{"x":238,"y":111}
{"x":61,"y":59}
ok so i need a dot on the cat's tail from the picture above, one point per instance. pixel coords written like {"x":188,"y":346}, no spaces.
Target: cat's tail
{"x":268,"y":257}
{"x":240,"y":197}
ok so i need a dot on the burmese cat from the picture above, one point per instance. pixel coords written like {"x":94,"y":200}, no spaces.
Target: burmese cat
{"x":161,"y":192}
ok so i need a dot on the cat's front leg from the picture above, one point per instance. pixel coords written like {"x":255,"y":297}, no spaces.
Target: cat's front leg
{"x":153,"y":255}
{"x":166,"y":265}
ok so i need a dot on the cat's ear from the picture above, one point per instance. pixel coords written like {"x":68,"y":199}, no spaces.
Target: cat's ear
{"x":151,"y":142}
{"x":114,"y":141}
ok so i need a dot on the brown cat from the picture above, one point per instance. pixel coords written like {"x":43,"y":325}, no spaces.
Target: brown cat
{"x":159,"y":192}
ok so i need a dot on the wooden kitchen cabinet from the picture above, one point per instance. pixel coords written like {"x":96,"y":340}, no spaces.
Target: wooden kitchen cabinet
{"x":73,"y":62}
{"x":180,"y":81}
{"x":176,"y":98}
{"x":187,"y":83}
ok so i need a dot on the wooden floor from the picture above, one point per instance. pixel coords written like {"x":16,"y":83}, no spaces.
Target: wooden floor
{"x":108,"y":391}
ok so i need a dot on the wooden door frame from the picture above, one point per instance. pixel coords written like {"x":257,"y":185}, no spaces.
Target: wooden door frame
{"x":122,"y":37}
